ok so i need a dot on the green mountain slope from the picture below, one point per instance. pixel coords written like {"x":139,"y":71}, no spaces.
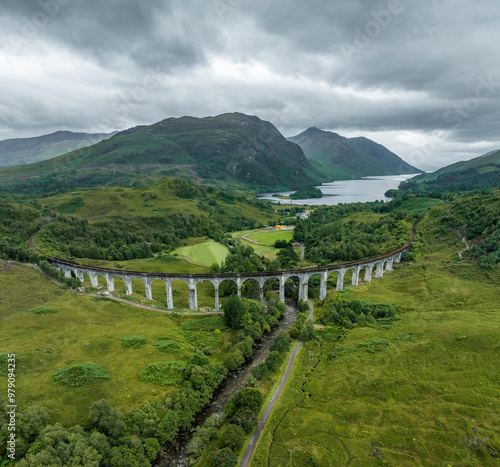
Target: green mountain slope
{"x":229,"y":150}
{"x":349,"y":158}
{"x":390,"y":160}
{"x":21,"y":151}
{"x":478,"y":173}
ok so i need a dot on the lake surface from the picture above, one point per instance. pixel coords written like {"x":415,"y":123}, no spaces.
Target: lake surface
{"x":347,"y":191}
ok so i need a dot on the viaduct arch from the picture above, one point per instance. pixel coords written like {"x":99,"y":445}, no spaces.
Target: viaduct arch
{"x":373,"y":267}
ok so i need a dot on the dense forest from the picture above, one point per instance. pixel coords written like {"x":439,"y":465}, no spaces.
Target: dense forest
{"x":329,"y":238}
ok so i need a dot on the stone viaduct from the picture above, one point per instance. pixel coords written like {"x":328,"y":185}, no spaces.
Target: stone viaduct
{"x":373,"y":267}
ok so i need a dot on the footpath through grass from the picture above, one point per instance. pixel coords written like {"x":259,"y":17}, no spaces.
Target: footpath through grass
{"x":429,"y":396}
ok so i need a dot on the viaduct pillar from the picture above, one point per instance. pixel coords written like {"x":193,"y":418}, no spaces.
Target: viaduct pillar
{"x":110,"y":281}
{"x":355,"y":275}
{"x":170,"y":298}
{"x":147,"y":285}
{"x":303,"y":287}
{"x":282,"y":289}
{"x":128,"y":285}
{"x":238,"y":285}
{"x":340,"y":279}
{"x":193,"y":297}
{"x":368,"y":272}
{"x":322,"y":286}
{"x":94,"y":280}
{"x":217,"y":304}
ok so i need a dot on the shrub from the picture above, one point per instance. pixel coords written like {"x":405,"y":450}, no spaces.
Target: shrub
{"x":135,"y":342}
{"x":43,"y":310}
{"x":167,"y":346}
{"x":223,"y":458}
{"x":79,"y":375}
{"x":274,"y":360}
{"x":233,"y":311}
{"x":281,"y":342}
{"x":234,"y":360}
{"x":261,"y":371}
{"x":163,"y":373}
{"x":303,"y":305}
{"x":233,"y":437}
{"x":308,"y":333}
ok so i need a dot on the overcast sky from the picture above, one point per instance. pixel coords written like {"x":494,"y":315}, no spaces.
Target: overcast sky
{"x":421,"y":77}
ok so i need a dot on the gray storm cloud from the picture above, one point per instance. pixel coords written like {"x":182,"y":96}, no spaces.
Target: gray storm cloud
{"x":420,"y":77}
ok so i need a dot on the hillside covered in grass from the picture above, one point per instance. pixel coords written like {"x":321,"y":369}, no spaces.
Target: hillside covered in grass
{"x":476,"y":174}
{"x":419,"y":389}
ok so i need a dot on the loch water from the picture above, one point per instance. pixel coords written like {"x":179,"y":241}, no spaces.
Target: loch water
{"x":347,"y":191}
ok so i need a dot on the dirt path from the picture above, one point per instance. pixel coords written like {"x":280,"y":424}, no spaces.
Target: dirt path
{"x":256,"y":241}
{"x":138,"y":305}
{"x":270,"y":406}
{"x":464,"y":241}
{"x":193,"y":262}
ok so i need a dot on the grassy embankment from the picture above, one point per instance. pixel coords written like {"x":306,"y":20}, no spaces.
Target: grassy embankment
{"x":413,"y":401}
{"x":87,"y":330}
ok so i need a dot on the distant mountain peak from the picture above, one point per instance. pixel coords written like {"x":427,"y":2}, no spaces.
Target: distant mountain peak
{"x":21,"y":151}
{"x":350,"y":157}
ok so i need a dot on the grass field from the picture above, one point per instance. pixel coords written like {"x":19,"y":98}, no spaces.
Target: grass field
{"x":84,"y":330}
{"x":416,"y":400}
{"x":270,"y":237}
{"x":207,"y":253}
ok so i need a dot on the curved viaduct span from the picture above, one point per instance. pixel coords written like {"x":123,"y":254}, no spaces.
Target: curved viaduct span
{"x":373,"y":267}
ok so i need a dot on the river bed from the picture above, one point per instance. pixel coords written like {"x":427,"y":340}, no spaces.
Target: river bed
{"x":174,"y":455}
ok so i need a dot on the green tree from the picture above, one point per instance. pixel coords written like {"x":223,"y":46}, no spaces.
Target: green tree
{"x":274,"y":360}
{"x":106,"y":419}
{"x":233,"y":437}
{"x":224,"y":457}
{"x":308,"y":333}
{"x":282,"y":342}
{"x":261,"y":371}
{"x":233,"y":312}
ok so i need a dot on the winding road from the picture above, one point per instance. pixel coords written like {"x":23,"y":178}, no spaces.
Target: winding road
{"x":247,"y":457}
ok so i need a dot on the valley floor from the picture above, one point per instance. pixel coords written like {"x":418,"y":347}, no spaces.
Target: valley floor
{"x":422,"y":391}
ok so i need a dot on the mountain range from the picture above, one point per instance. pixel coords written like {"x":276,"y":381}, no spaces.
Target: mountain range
{"x":21,"y":151}
{"x":344,"y":157}
{"x":230,"y":150}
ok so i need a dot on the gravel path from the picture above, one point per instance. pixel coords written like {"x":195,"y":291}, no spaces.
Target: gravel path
{"x":245,"y":462}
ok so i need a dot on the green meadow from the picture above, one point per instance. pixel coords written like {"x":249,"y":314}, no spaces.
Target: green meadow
{"x":207,"y":253}
{"x":423,"y":390}
{"x":90,"y":330}
{"x":270,"y":237}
